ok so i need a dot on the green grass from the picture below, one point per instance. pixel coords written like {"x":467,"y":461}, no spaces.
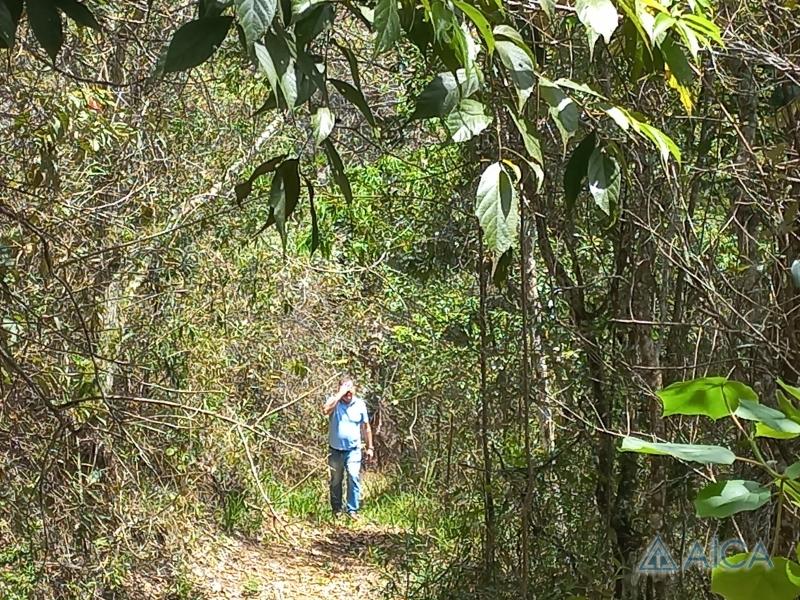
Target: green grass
{"x":17,"y":573}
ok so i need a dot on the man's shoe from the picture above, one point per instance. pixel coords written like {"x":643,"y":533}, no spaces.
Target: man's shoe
{"x":353,"y":515}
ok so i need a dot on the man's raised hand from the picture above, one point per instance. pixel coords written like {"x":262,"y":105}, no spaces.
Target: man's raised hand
{"x":346,"y":386}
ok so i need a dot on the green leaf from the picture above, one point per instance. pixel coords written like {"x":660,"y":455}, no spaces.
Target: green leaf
{"x":78,"y":13}
{"x":353,"y":62}
{"x":276,"y":59}
{"x":746,"y":577}
{"x":255,"y":17}
{"x":195,"y":42}
{"x":775,"y":420}
{"x":8,"y":26}
{"x":766,"y":431}
{"x":314,"y":222}
{"x":714,"y":397}
{"x":662,"y":141}
{"x":600,"y":18}
{"x":45,"y":22}
{"x":322,"y":123}
{"x":532,"y":147}
{"x":604,"y":180}
{"x":793,"y":471}
{"x":467,"y":120}
{"x":211,"y":8}
{"x":576,"y":169}
{"x":704,"y":27}
{"x":387,"y":25}
{"x":441,"y":95}
{"x":531,"y":143}
{"x":563,"y":109}
{"x":790,"y":389}
{"x":689,"y":452}
{"x":284,"y":194}
{"x":312,"y":22}
{"x":662,"y":23}
{"x":244,"y":188}
{"x":578,"y":87}
{"x":726,"y":498}
{"x":339,"y":176}
{"x":356,"y":98}
{"x":678,"y":63}
{"x":619,"y":116}
{"x":497,"y":207}
{"x":520,"y":69}
{"x":796,"y":272}
{"x":480,"y":22}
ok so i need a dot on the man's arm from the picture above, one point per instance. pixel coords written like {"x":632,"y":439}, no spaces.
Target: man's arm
{"x":366,"y":433}
{"x":331,"y":402}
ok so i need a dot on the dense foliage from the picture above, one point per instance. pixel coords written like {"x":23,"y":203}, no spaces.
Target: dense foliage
{"x":547,"y":238}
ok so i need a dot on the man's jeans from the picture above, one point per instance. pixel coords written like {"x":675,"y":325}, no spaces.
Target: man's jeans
{"x":340,"y":461}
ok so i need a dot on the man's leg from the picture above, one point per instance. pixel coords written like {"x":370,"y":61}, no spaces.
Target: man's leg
{"x":353,"y":465}
{"x":336,"y":464}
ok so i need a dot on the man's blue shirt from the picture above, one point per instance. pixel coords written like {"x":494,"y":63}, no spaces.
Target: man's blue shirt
{"x":344,"y":428}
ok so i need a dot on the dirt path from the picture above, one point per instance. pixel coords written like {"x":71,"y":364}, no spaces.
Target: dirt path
{"x":325,"y":562}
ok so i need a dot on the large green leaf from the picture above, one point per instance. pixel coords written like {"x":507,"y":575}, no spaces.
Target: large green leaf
{"x":78,"y":13}
{"x":725,"y":498}
{"x":689,"y":452}
{"x":255,"y":17}
{"x":497,"y":208}
{"x":677,"y":61}
{"x":773,"y":419}
{"x":337,"y":166}
{"x":322,"y":123}
{"x":520,"y":68}
{"x":714,"y":397}
{"x":441,"y":95}
{"x":387,"y":25}
{"x":576,"y":168}
{"x":563,"y":109}
{"x":45,"y":22}
{"x":480,"y":22}
{"x":467,"y":120}
{"x":604,"y":180}
{"x":276,"y":59}
{"x":195,"y":42}
{"x":744,"y":577}
{"x":600,"y":18}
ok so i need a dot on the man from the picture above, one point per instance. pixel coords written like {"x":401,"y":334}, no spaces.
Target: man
{"x":348,"y":423}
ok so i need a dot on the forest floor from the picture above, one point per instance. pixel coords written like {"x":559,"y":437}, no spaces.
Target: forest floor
{"x":337,"y":561}
{"x":314,"y":557}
